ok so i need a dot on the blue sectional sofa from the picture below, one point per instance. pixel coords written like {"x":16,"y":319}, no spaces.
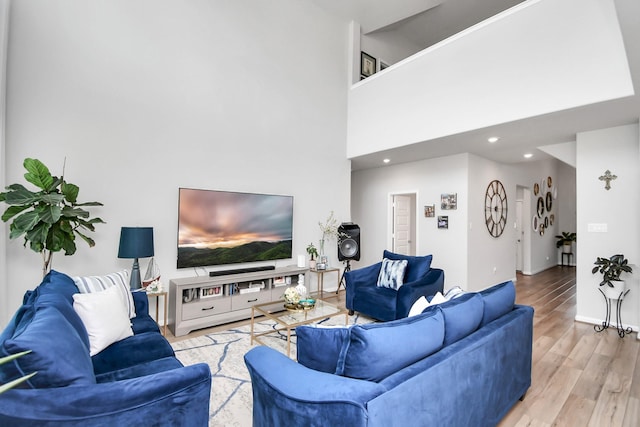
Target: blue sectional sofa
{"x":383,"y":303}
{"x":135,"y":381}
{"x":465,"y":362}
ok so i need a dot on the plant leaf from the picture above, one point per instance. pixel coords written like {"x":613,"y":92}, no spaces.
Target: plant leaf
{"x":38,"y":236}
{"x":11,"y":384}
{"x":11,"y":357}
{"x":72,"y":212}
{"x":25,"y":222}
{"x":69,"y":246}
{"x":13,"y":211}
{"x":49,"y":213}
{"x":37,"y":173}
{"x":87,"y":239}
{"x":51,"y":198}
{"x":88,"y":204}
{"x":19,"y":195}
{"x":70,"y":192}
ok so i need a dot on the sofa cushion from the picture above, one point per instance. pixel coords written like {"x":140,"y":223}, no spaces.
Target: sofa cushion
{"x":65,"y":307}
{"x":391,"y":273}
{"x":137,"y":349}
{"x":379,"y":303}
{"x":319,"y":347}
{"x":462,"y":316}
{"x":140,"y":370}
{"x":104,"y":317}
{"x":88,"y":284}
{"x":144,"y":323}
{"x":57,"y":353}
{"x":54,"y":282}
{"x":417,"y":266}
{"x":498,"y":300}
{"x":376,"y":350}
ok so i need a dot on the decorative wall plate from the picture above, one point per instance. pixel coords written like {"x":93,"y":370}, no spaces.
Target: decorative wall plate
{"x":536,"y":189}
{"x":546,"y":222}
{"x":549,"y":182}
{"x":549,"y":200}
{"x":540,"y":207}
{"x":552,"y":218}
{"x":534,"y":223}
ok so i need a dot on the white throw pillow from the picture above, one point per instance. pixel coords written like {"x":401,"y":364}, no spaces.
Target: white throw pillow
{"x":421,"y":304}
{"x":120,"y":280}
{"x":104,"y":317}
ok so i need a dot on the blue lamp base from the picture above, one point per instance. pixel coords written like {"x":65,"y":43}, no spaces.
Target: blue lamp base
{"x":135,"y":282}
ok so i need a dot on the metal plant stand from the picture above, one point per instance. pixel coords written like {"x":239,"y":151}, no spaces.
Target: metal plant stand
{"x":622,"y":331}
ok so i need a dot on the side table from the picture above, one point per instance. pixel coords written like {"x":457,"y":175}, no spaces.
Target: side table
{"x":569,"y":256}
{"x":157,"y":295}
{"x":320,"y":274}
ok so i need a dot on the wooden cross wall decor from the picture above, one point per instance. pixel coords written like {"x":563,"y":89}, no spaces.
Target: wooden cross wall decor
{"x":607,"y":177}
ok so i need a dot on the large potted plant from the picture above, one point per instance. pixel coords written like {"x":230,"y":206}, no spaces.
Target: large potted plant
{"x":611,"y":268}
{"x":50,"y":218}
{"x":565,"y":240}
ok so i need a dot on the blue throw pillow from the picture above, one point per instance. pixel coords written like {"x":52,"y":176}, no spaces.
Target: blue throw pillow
{"x":462,"y":316}
{"x":66,"y":309}
{"x":57,"y":353}
{"x":417,"y":266}
{"x":377,"y":350}
{"x":391,"y":274}
{"x":498,"y":301}
{"x":319,"y":347}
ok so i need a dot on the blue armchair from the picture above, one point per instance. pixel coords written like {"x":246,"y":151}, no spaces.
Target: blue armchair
{"x":364,"y":296}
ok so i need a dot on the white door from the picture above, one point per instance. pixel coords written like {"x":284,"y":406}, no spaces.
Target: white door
{"x":519,"y":235}
{"x":402,"y":224}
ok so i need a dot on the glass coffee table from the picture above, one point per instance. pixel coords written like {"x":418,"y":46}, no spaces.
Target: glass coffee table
{"x":289,"y":320}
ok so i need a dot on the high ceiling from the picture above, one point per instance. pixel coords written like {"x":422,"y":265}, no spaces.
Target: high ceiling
{"x":426,"y":22}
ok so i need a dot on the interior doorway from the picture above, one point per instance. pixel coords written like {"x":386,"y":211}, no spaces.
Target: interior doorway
{"x":403,"y":223}
{"x":523,"y":231}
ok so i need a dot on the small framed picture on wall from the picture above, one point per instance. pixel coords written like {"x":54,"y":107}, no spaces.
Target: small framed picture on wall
{"x":449,"y":201}
{"x":429,"y":211}
{"x":367,"y":64}
{"x":443,"y":221}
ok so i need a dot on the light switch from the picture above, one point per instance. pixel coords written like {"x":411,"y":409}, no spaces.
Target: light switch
{"x":597,"y":228}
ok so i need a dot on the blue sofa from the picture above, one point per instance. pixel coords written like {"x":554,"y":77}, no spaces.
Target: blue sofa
{"x":135,"y":381}
{"x":465,"y":362}
{"x":381,"y":303}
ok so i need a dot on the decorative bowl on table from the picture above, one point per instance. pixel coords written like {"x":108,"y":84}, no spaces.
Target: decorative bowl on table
{"x":302,"y":305}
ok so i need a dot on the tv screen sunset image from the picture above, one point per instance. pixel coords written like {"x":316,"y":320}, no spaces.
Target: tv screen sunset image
{"x":221,"y":227}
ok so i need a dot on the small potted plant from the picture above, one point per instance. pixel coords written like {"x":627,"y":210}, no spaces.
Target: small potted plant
{"x":611,"y":268}
{"x":565,"y":240}
{"x":313,"y":253}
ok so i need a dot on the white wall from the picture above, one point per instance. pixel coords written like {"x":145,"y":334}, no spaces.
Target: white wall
{"x":466,"y":251}
{"x":370,"y":194}
{"x":616,"y":149}
{"x":148,"y":96}
{"x":388,"y":46}
{"x":4,"y":33}
{"x":566,"y":213}
{"x":525,"y":59}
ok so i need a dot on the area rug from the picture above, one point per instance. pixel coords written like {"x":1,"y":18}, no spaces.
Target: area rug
{"x":231,"y":398}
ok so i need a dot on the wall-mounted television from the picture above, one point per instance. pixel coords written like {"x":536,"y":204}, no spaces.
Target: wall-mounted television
{"x":225,"y":227}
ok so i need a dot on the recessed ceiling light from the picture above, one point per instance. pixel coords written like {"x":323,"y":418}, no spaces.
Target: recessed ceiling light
{"x":493,"y":139}
{"x":386,"y":160}
{"x":528,"y":155}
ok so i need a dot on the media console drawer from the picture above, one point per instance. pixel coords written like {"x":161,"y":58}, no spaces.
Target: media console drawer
{"x":240,"y":301}
{"x":206,"y":307}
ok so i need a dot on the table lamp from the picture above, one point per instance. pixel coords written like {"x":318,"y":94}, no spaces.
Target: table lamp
{"x":136,"y":242}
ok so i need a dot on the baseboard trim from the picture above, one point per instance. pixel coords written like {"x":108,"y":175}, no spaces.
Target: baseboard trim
{"x":594,"y":321}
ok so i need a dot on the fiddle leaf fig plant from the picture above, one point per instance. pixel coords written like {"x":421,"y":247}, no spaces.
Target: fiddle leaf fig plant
{"x":49,"y":218}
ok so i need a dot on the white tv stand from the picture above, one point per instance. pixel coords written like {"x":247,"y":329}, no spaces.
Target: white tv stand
{"x":201,"y":302}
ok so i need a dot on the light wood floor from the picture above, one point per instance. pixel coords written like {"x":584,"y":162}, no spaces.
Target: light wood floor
{"x":580,"y":377}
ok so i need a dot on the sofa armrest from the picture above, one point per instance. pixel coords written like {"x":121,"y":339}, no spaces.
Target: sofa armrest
{"x":366,"y":276}
{"x":141,"y":301}
{"x":287,"y":393}
{"x":178,"y":397}
{"x":430,"y":284}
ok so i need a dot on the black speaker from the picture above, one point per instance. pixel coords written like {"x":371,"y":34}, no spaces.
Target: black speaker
{"x":348,"y":241}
